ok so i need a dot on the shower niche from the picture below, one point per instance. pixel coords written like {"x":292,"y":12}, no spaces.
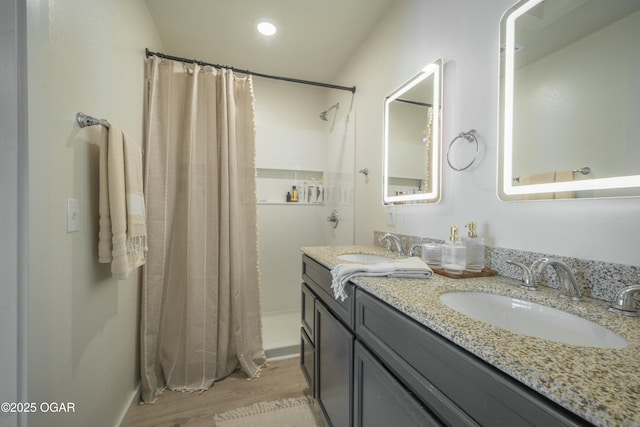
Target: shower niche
{"x":274,"y":184}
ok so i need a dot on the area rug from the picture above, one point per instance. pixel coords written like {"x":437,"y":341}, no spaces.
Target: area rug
{"x":294,"y":412}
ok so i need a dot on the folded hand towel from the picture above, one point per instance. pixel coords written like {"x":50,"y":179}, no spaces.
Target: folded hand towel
{"x":412,"y":267}
{"x":122,"y":238}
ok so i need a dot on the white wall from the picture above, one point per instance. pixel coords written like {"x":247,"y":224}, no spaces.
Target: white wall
{"x":83,"y":326}
{"x":465,"y":34}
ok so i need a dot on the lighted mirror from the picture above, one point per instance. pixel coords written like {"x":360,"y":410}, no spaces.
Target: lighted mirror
{"x":570,"y":100}
{"x":412,"y":139}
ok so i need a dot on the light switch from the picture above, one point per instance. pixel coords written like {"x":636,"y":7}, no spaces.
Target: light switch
{"x":73,"y":215}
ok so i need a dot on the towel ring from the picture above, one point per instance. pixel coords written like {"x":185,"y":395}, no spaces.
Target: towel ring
{"x":470,"y":138}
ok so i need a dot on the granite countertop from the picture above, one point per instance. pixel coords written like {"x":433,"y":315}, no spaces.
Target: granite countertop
{"x":600,"y":385}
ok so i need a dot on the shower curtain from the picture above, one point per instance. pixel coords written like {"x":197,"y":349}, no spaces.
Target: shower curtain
{"x":200,"y":314}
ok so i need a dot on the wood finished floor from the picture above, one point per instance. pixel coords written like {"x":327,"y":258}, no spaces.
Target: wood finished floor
{"x":280,"y":380}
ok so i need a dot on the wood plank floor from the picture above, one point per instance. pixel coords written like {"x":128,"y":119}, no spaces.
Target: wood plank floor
{"x":279,"y":380}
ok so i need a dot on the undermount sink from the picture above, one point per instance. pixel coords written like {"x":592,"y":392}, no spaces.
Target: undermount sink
{"x":363,"y":258}
{"x":532,"y":319}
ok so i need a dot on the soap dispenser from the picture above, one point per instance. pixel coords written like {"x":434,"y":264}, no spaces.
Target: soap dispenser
{"x":475,"y":249}
{"x":454,"y":253}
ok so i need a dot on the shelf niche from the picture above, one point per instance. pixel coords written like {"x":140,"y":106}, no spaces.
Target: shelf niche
{"x":273,"y":185}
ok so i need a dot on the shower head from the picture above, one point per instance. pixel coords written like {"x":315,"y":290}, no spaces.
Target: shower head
{"x":323,"y":115}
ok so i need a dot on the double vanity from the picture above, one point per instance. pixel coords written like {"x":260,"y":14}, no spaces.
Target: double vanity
{"x":412,"y":352}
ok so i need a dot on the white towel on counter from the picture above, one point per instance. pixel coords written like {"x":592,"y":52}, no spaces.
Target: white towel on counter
{"x":412,"y":267}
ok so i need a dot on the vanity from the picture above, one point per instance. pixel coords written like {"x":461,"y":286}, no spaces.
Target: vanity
{"x":392,"y":353}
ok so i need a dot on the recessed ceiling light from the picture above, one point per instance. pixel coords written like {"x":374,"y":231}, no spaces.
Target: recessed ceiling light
{"x":267,"y":28}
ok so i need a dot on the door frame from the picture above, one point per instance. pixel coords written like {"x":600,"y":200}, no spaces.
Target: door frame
{"x":14,"y":190}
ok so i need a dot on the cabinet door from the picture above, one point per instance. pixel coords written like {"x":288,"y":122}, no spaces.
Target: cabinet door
{"x":308,"y":360}
{"x":380,"y":400}
{"x":334,"y":368}
{"x":308,"y":311}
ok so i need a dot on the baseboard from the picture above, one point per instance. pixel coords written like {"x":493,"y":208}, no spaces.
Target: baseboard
{"x":133,"y":400}
{"x":282,"y":353}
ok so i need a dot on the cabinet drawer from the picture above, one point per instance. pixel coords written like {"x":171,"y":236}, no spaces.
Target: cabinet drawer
{"x":308,"y":311}
{"x":308,"y":360}
{"x":318,"y":278}
{"x":441,"y":373}
{"x":380,"y":400}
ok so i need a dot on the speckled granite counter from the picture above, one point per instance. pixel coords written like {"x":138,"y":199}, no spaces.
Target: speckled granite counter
{"x":600,"y":385}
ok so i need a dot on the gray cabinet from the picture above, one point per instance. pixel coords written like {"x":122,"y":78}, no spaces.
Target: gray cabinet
{"x":380,"y":400}
{"x":371,"y":365}
{"x":326,"y":356}
{"x":307,"y":338}
{"x":334,"y":355}
{"x":459,"y":388}
{"x":308,"y":360}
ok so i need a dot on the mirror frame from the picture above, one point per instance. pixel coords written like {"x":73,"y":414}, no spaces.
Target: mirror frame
{"x":433,"y":69}
{"x":506,"y":189}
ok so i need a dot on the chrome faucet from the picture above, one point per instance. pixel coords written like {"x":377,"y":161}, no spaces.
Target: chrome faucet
{"x":569,"y":288}
{"x":529,"y":280}
{"x":392,"y":238}
{"x":625,"y":303}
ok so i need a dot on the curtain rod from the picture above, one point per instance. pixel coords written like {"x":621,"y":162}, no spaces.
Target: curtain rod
{"x":253,"y":73}
{"x":408,"y":101}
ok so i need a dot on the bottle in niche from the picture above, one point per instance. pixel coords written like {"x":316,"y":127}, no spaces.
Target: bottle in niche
{"x":311,"y":192}
{"x":320,"y":193}
{"x":454,"y":253}
{"x":475,"y":249}
{"x":294,"y":194}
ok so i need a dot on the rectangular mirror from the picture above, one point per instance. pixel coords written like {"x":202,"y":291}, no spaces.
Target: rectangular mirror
{"x":412,"y":139}
{"x":570,"y":100}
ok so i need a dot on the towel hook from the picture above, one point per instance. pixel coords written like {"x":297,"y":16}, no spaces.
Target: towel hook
{"x":470,"y":138}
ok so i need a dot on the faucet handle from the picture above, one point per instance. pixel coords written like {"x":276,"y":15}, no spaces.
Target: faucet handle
{"x":538,"y":266}
{"x":624,"y":302}
{"x":412,"y":250}
{"x":528,"y":276}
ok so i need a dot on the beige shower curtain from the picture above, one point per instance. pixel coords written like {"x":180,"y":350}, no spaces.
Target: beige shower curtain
{"x":200,"y":315}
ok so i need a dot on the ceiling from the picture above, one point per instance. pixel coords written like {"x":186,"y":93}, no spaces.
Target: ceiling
{"x":315,"y":39}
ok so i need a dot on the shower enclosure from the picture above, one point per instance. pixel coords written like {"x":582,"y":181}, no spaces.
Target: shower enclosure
{"x":296,"y":147}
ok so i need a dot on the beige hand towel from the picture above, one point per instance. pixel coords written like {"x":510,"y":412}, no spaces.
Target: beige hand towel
{"x":563,"y":176}
{"x":122,"y":238}
{"x":538,"y":178}
{"x":104,"y":218}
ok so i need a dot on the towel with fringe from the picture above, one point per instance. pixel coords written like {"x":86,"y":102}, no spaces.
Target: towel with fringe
{"x":412,"y":267}
{"x":122,"y":238}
